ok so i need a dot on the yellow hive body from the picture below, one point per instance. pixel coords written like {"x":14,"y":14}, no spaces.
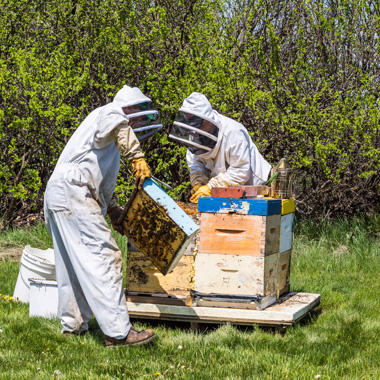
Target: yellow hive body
{"x":143,"y":277}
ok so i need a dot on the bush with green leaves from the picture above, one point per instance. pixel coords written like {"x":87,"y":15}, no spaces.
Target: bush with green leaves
{"x":302,"y":77}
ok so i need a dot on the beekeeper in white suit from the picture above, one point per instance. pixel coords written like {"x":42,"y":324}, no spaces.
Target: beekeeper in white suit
{"x":220,"y":151}
{"x":78,"y":196}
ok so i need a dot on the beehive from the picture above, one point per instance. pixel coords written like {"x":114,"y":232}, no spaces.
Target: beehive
{"x":244,"y":248}
{"x":240,"y":253}
{"x":157,"y":226}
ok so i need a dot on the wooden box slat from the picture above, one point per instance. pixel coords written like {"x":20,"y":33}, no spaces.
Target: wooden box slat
{"x":286,"y":234}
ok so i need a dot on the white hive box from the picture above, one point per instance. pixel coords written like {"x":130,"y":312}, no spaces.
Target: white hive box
{"x":241,"y":274}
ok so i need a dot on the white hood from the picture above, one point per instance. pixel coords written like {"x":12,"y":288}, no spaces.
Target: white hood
{"x":129,"y":96}
{"x":198,"y":105}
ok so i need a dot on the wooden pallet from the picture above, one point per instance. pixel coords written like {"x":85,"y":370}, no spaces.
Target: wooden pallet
{"x":291,"y":308}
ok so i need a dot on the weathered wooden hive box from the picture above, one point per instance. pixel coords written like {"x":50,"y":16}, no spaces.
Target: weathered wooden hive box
{"x":240,"y":257}
{"x":145,"y":283}
{"x":157,"y":226}
{"x":244,"y":251}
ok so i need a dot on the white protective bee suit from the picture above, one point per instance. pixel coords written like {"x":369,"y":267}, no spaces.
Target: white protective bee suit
{"x":226,"y":157}
{"x":78,"y":194}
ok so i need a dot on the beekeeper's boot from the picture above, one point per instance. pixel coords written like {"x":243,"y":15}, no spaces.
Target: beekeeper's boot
{"x":133,"y":338}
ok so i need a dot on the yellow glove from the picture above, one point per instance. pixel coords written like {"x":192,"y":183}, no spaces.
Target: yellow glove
{"x":114,"y":214}
{"x":140,"y":171}
{"x":203,"y":191}
{"x":195,"y":188}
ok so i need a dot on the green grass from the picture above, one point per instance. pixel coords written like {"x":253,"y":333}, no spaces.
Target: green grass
{"x":340,"y":340}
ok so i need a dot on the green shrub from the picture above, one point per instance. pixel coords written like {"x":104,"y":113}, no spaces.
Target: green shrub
{"x":302,"y":77}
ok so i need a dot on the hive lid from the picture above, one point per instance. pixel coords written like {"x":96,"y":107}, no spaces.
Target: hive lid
{"x":253,"y":206}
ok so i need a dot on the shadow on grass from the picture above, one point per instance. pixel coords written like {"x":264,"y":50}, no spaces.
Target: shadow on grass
{"x":311,"y":317}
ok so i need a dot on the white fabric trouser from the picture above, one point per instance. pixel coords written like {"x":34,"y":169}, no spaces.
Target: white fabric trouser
{"x":88,"y":261}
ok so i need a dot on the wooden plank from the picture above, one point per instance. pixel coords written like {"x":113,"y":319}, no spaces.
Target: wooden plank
{"x":228,"y":192}
{"x":291,"y":309}
{"x":250,"y":191}
{"x":262,"y":304}
{"x":253,"y":206}
{"x":286,"y":234}
{"x":254,"y":191}
{"x":232,"y":234}
{"x":283,"y":269}
{"x":241,"y":274}
{"x":158,"y":300}
{"x":142,"y":276}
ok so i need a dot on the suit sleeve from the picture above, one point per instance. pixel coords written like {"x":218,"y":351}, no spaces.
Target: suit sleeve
{"x":239,"y":166}
{"x":127,"y":142}
{"x":198,"y":170}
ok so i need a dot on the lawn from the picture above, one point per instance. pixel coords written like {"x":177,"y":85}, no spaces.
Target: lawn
{"x":339,"y":340}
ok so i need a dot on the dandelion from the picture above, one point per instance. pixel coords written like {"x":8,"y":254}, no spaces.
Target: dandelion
{"x":180,"y":347}
{"x":10,"y":298}
{"x":157,"y":374}
{"x":82,"y":344}
{"x":5,"y":297}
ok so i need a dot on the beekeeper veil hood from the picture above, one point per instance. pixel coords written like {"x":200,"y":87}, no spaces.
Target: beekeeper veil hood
{"x":140,"y":111}
{"x":196,"y":125}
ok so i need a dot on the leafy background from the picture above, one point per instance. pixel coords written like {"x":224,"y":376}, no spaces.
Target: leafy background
{"x":302,"y":77}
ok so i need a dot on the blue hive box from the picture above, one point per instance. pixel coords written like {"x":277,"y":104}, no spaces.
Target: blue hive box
{"x":247,"y":206}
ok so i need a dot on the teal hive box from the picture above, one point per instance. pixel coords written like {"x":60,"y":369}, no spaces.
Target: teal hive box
{"x":240,"y":206}
{"x":157,"y":226}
